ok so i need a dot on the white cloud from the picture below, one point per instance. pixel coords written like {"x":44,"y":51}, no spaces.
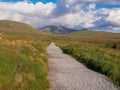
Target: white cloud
{"x":104,"y":1}
{"x":113,"y":2}
{"x":70,"y":1}
{"x":28,"y":8}
{"x":114,"y":16}
{"x":80,"y":18}
{"x":25,"y":12}
{"x":116,"y":28}
{"x":69,"y":13}
{"x":92,"y":6}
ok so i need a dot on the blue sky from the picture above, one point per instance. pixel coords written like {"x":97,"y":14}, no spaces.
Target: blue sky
{"x":33,"y":1}
{"x":107,"y":6}
{"x":90,"y":14}
{"x":54,"y":1}
{"x":44,"y":1}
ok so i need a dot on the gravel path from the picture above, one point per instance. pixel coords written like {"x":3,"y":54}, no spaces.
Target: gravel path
{"x":67,"y":74}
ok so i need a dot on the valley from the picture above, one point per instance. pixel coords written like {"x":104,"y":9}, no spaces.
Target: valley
{"x":24,"y":60}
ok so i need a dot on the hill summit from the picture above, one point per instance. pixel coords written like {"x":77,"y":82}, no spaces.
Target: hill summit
{"x":57,"y":29}
{"x":7,"y":25}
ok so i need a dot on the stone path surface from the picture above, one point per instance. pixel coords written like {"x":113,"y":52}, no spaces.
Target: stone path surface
{"x":65,"y":73}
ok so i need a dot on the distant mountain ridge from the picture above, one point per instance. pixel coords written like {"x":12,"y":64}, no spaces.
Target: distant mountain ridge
{"x":57,"y":29}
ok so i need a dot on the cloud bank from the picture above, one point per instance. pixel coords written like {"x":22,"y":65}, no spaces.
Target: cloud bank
{"x":70,"y":13}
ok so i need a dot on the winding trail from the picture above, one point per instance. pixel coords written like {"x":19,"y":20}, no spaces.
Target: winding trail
{"x":67,"y":74}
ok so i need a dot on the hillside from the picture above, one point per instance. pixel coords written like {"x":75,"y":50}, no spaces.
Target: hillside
{"x":6,"y":25}
{"x":99,"y":51}
{"x":18,"y":30}
{"x":23,"y":59}
{"x":24,"y":62}
{"x":56,"y":29}
{"x":86,"y":35}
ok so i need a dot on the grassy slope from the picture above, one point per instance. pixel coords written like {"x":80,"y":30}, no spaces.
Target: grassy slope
{"x":23,"y":60}
{"x":99,"y":51}
{"x":95,"y":36}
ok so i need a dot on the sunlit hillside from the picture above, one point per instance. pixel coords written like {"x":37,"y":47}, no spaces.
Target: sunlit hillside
{"x":99,"y":51}
{"x":23,"y":60}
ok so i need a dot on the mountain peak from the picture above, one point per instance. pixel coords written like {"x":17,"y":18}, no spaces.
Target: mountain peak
{"x":57,"y":29}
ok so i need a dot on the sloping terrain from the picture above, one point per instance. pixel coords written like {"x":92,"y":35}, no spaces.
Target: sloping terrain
{"x":92,"y":33}
{"x":97,"y":50}
{"x":95,"y":36}
{"x":23,"y":60}
{"x":68,"y":74}
{"x":7,"y":25}
{"x":57,"y":29}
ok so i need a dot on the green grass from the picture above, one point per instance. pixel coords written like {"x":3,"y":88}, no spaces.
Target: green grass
{"x":23,"y":58}
{"x":24,"y":62}
{"x":23,"y":66}
{"x":95,"y":36}
{"x":99,"y":53}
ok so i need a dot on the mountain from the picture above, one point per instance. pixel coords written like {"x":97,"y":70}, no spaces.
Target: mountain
{"x":84,"y":29}
{"x":7,"y":25}
{"x":12,"y":29}
{"x":57,"y":29}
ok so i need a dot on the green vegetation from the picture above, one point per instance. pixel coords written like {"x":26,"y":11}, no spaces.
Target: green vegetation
{"x":98,"y":52}
{"x":23,"y":60}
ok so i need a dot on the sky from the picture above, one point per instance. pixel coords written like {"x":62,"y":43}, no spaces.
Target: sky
{"x":103,"y":15}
